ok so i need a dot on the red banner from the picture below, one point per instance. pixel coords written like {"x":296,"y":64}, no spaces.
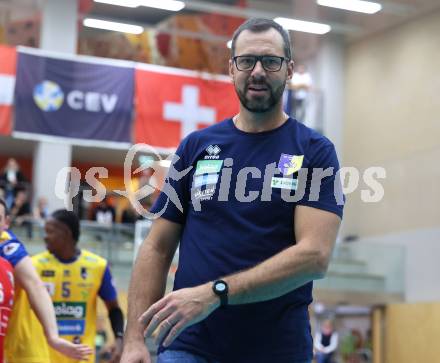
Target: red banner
{"x":8,"y":61}
{"x":171,"y":103}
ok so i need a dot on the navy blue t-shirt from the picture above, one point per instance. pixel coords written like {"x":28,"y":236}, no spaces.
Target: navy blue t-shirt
{"x":237,"y":192}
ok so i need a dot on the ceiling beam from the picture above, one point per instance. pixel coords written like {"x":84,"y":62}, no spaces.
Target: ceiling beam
{"x":236,"y":11}
{"x":163,"y":28}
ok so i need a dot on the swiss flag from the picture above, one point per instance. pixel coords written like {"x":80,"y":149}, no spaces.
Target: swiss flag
{"x":171,"y":103}
{"x":8,"y":62}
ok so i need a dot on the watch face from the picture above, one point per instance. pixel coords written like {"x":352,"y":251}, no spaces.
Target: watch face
{"x":220,"y":286}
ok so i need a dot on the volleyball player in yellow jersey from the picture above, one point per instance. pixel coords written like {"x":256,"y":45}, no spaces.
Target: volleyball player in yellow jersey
{"x":74,"y":279}
{"x":25,"y":276}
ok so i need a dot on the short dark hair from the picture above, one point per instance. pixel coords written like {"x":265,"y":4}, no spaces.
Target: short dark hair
{"x":3,"y":203}
{"x":70,"y":219}
{"x":258,"y":25}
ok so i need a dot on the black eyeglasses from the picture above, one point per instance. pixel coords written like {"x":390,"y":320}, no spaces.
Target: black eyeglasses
{"x":270,"y":63}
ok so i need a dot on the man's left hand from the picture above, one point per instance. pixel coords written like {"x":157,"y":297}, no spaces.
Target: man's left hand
{"x":177,"y":311}
{"x":116,"y":351}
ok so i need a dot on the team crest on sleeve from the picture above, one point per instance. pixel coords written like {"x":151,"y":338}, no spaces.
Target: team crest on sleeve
{"x":11,"y":248}
{"x":290,"y":164}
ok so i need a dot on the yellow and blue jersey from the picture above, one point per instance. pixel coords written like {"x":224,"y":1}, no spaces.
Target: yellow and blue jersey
{"x":74,"y":286}
{"x":11,"y":249}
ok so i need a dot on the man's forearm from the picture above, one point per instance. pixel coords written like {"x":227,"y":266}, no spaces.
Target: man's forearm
{"x":307,"y":260}
{"x":278,"y":275}
{"x":38,"y":296}
{"x":147,"y":285}
{"x":42,"y":306}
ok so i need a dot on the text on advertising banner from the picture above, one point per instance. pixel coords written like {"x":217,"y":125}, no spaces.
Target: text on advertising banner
{"x":74,"y":99}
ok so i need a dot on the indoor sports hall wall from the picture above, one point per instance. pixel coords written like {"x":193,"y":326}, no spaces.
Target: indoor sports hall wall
{"x":393,"y":120}
{"x":412,"y":332}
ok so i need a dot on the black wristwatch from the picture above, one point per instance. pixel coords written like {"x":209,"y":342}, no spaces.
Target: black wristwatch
{"x":220,"y":288}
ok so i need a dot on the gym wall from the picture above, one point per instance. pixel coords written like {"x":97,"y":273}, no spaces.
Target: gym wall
{"x":392,"y":119}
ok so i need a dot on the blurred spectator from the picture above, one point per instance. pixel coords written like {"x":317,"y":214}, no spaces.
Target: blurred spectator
{"x":301,"y":83}
{"x":40,"y":213}
{"x":104,"y":213}
{"x":41,"y":210}
{"x":350,"y":344}
{"x":21,"y":212}
{"x":21,"y":208}
{"x":12,"y":180}
{"x":129,"y":215}
{"x":150,"y":186}
{"x":326,"y":342}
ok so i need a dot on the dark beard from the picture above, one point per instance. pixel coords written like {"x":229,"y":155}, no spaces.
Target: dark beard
{"x":261,"y":106}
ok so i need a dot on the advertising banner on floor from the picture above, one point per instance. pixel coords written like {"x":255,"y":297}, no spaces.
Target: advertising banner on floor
{"x":8,"y":60}
{"x":171,"y":103}
{"x":78,"y":98}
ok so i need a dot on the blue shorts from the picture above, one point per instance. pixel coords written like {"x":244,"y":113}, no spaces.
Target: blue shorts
{"x":181,"y":356}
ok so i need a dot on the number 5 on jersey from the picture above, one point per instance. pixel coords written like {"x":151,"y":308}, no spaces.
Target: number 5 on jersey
{"x":65,"y":289}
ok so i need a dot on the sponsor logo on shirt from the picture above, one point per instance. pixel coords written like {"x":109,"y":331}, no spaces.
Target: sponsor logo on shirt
{"x":208,"y":167}
{"x":85,"y":285}
{"x":205,"y":194}
{"x":71,"y":327}
{"x":48,"y":273}
{"x":290,"y":164}
{"x":284,"y":183}
{"x":85,"y":294}
{"x":205,"y":179}
{"x":70,"y":310}
{"x":213,"y":151}
{"x":11,"y":248}
{"x":4,"y":319}
{"x":91,"y":259}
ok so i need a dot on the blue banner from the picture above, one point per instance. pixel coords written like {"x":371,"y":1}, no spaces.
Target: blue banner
{"x":73,"y":99}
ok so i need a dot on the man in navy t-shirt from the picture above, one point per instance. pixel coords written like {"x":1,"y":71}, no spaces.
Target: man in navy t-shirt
{"x":256,"y":205}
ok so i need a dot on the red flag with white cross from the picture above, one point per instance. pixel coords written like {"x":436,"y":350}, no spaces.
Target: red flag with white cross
{"x":171,"y":103}
{"x":8,"y":63}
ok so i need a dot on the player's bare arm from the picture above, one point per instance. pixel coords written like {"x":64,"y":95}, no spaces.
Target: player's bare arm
{"x":26,"y":275}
